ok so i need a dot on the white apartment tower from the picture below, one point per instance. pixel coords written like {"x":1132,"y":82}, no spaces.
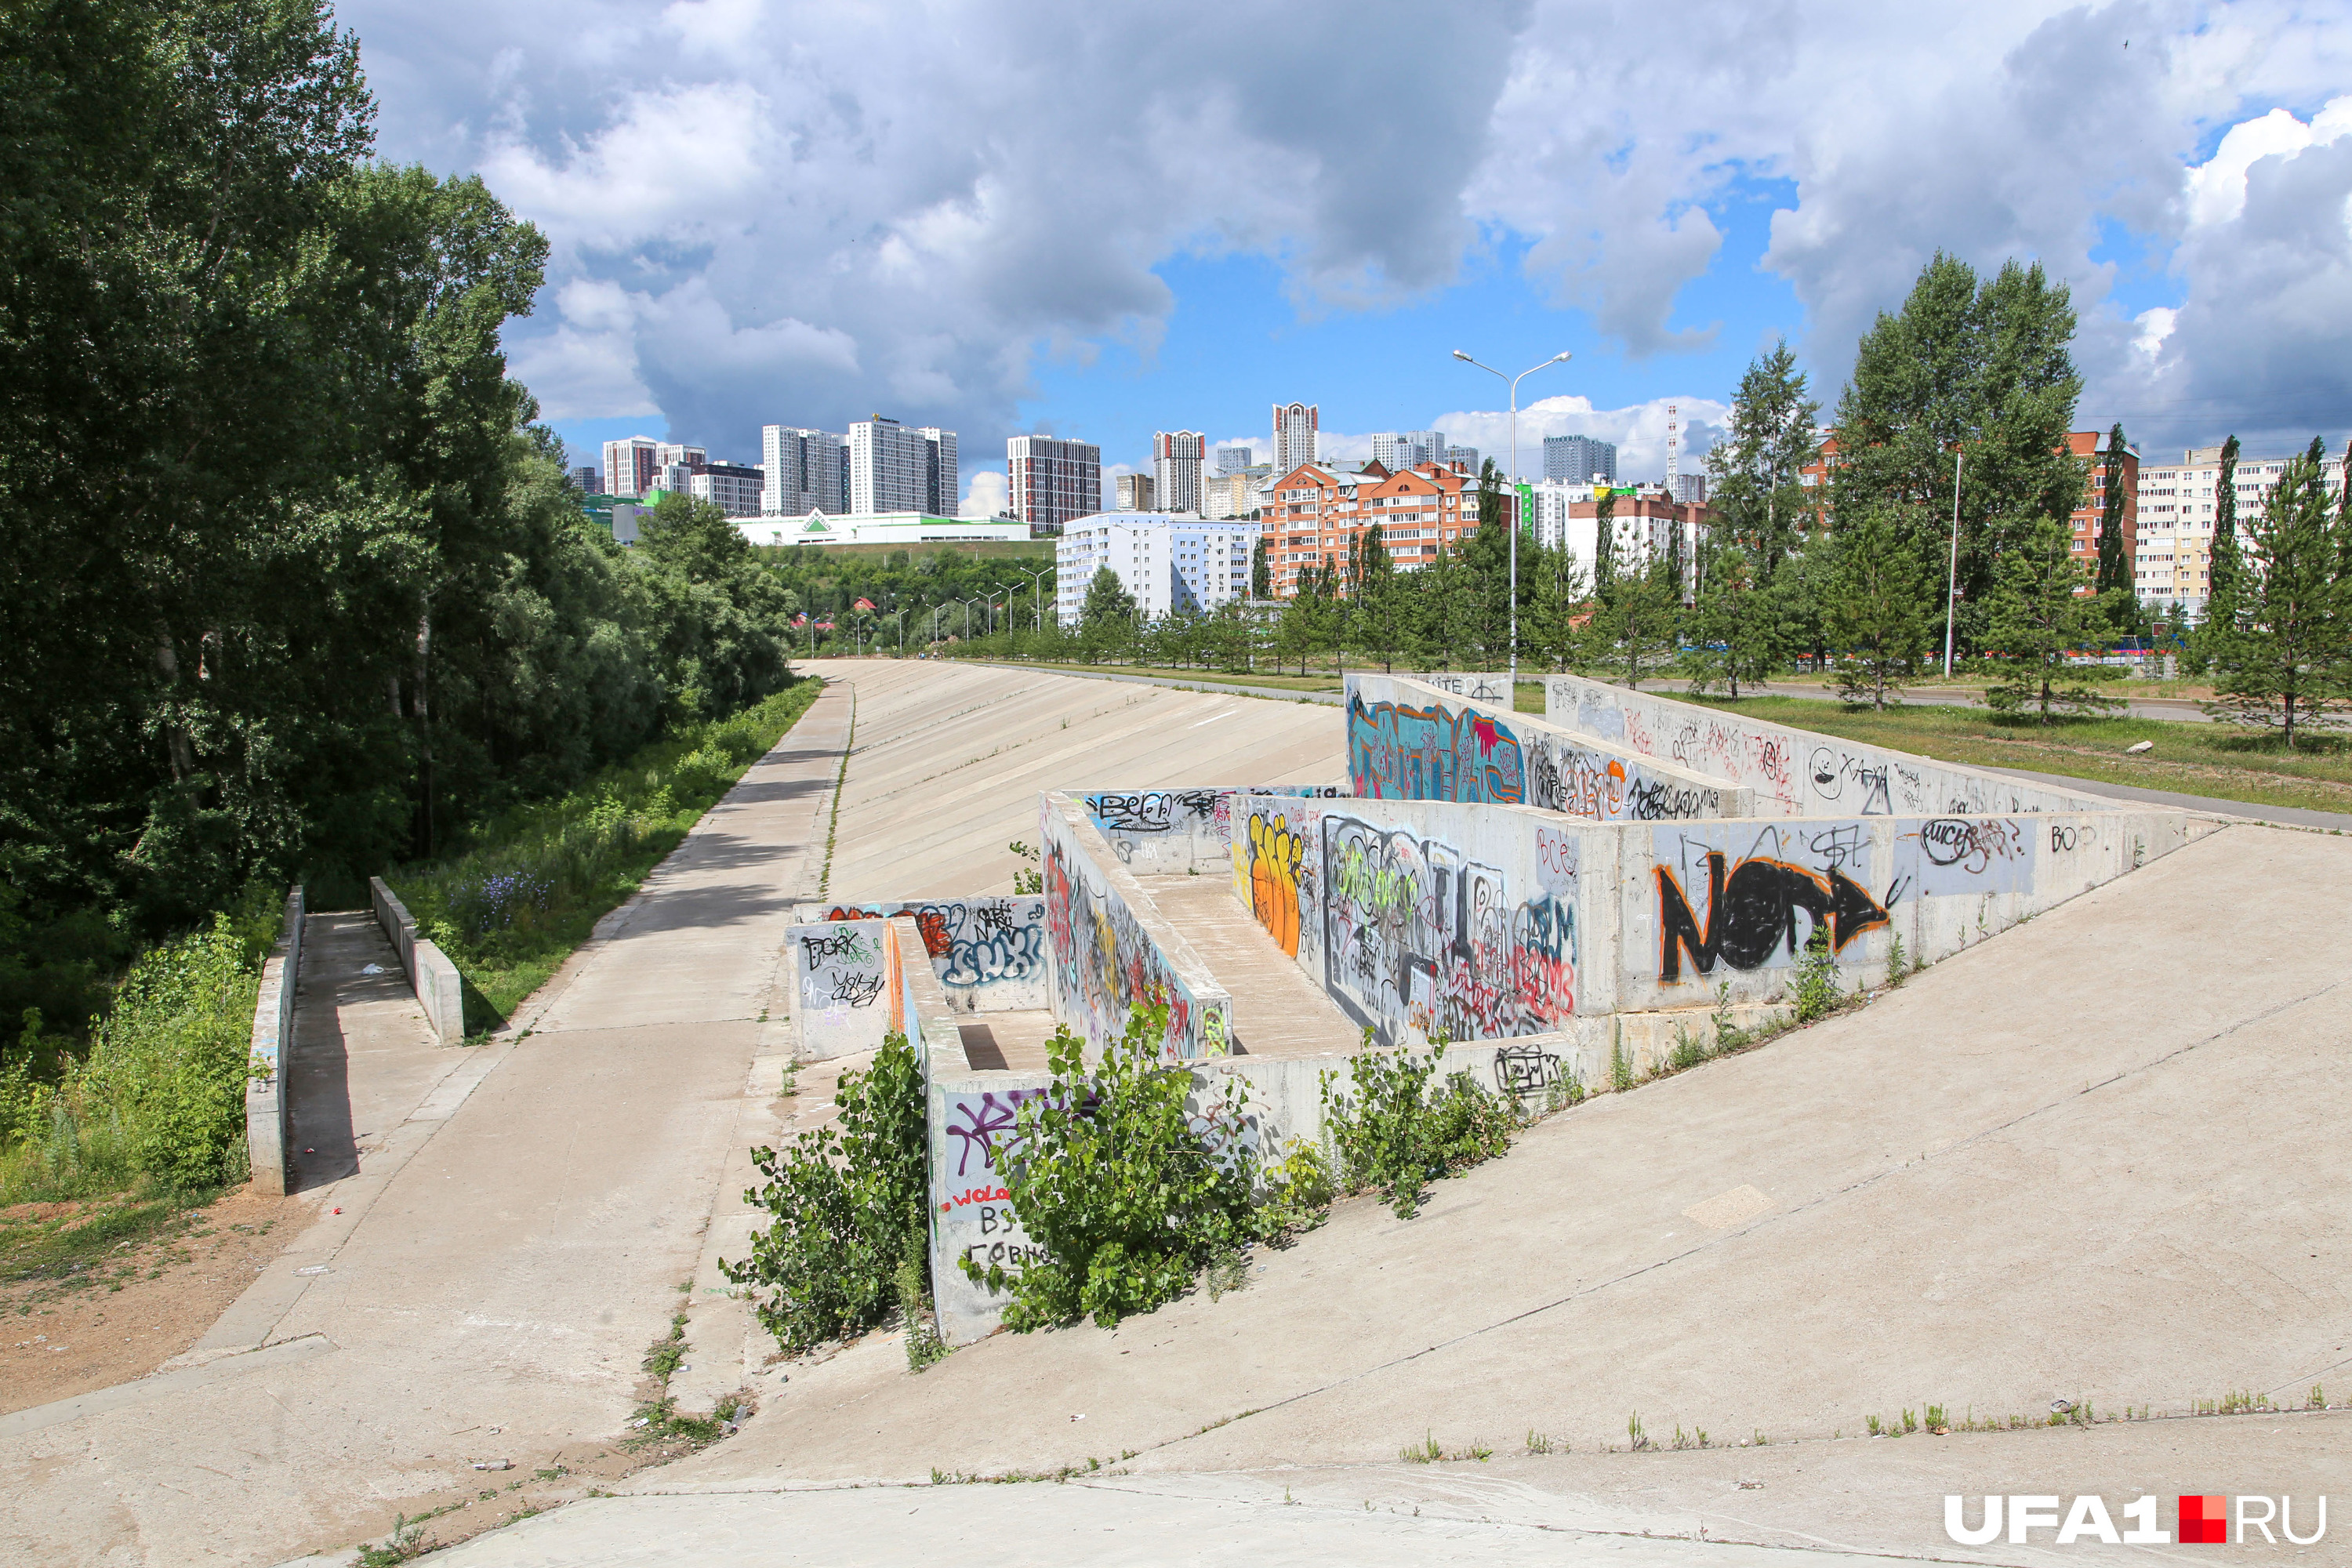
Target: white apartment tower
{"x":1176,"y":459}
{"x":802,"y":472}
{"x":894,"y":469}
{"x":1403,"y":449}
{"x":1171,"y":564}
{"x":1295,"y":427}
{"x":629,"y":467}
{"x":1051,"y":481}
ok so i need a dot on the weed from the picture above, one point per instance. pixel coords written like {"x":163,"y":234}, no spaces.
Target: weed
{"x":1228,"y":1271}
{"x":1910,"y":1423}
{"x":1542,"y":1443}
{"x":1636,"y":1438}
{"x":1875,"y":1429}
{"x":665,"y":1355}
{"x":1759,"y":1440}
{"x":1396,"y":1132}
{"x":1023,"y":879}
{"x":1478,"y":1451}
{"x":1728,"y":1036}
{"x":1620,"y":1070}
{"x":405,"y":1541}
{"x":924,"y":1345}
{"x":2317,"y":1400}
{"x":1938,"y":1422}
{"x":1817,"y":978}
{"x":1426,"y":1452}
{"x":1895,"y":969}
{"x":1689,"y":1050}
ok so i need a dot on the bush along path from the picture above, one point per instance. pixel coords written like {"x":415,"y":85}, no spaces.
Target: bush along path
{"x":530,"y":885}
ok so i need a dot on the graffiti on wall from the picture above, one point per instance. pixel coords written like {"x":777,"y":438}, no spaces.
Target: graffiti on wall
{"x":987,"y":952}
{"x":972,"y":1207}
{"x":1106,"y":965}
{"x":1418,"y":937}
{"x":1746,"y":916}
{"x":1275,"y":853}
{"x":1971,"y":854}
{"x":1397,"y":752}
{"x":842,"y":968}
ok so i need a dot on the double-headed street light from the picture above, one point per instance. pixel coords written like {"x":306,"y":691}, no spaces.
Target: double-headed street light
{"x":1556,"y":359}
{"x":1036,"y":583}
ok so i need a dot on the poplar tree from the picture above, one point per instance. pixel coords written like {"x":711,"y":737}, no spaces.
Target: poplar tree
{"x":1261,"y":571}
{"x":2115,"y":564}
{"x":2224,"y":566}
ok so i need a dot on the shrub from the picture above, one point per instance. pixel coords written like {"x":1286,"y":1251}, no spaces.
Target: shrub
{"x":1393,"y":1131}
{"x":1127,"y":1202}
{"x":849,"y":1200}
{"x":1817,"y":979}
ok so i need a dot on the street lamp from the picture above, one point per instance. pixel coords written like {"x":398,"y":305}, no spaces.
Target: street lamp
{"x":1556,"y":359}
{"x":1037,"y":583}
{"x":967,"y":605}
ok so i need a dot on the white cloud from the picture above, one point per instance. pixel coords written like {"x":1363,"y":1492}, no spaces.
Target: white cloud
{"x":988,"y":493}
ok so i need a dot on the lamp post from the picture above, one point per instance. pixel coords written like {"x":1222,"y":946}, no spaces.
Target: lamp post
{"x":1952,"y":588}
{"x":1037,"y":584}
{"x":1514,"y":380}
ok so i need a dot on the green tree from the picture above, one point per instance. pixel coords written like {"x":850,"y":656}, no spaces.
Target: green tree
{"x":2225,"y":569}
{"x":2283,"y":658}
{"x":1974,"y":367}
{"x":1740,"y":619}
{"x":1383,"y":622}
{"x":1755,"y":473}
{"x":1261,"y":571}
{"x":1106,"y":600}
{"x":2115,"y":558}
{"x":1875,"y":594}
{"x":2037,"y":612}
{"x":1635,"y":622}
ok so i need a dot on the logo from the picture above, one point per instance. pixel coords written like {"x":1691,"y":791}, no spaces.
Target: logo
{"x":2200,"y":1519}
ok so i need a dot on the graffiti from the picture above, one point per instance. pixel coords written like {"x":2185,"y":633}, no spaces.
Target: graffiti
{"x":985,"y":1119}
{"x":983,"y":949}
{"x":1833,"y":770}
{"x":1105,"y":963}
{"x":2063,"y":835}
{"x":1476,"y":688}
{"x":1274,"y":855}
{"x":1653,"y":800}
{"x":854,"y":990}
{"x":1522,"y":1070}
{"x":974,"y":1218}
{"x":1971,"y":842}
{"x":1417,"y":937}
{"x":1400,"y":752}
{"x":1212,"y":1031}
{"x":1577,"y":783}
{"x":1156,"y":811}
{"x":1751,"y":913}
{"x":1557,"y":855}
{"x":844,"y":946}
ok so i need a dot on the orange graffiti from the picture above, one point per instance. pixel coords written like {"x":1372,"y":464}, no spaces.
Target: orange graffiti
{"x":1275,"y":853}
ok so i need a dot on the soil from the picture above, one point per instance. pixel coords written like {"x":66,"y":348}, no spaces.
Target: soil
{"x":123,"y":1314}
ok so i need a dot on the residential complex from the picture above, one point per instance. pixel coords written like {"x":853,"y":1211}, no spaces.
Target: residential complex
{"x":807,"y":470}
{"x":586,"y":480}
{"x":895,"y":468}
{"x":1234,"y":459}
{"x":2173,"y":542}
{"x":1050,"y":481}
{"x":1581,"y":459}
{"x":1400,"y":449}
{"x":1315,"y":509}
{"x":733,"y":487}
{"x":1170,"y":564}
{"x":1235,"y":494}
{"x":1134,"y":492}
{"x":1176,"y":459}
{"x":901,"y":527}
{"x":629,"y":467}
{"x":1464,"y":457}
{"x":1297,"y":428}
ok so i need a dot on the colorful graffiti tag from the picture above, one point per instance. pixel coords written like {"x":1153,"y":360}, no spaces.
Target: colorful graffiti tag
{"x":1106,"y":965}
{"x":987,"y":953}
{"x":1400,"y":752}
{"x":1751,"y":913}
{"x":1274,"y":855}
{"x":972,"y":1207}
{"x":1418,"y":937}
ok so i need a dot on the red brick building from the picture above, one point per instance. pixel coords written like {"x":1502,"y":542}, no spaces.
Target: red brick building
{"x":1315,"y":509}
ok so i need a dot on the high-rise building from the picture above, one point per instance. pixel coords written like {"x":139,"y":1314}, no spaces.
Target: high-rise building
{"x":586,"y":479}
{"x":1688,"y":490}
{"x":804,"y":471}
{"x":1403,"y":449}
{"x":629,"y":467}
{"x":894,"y":469}
{"x":1171,"y":564}
{"x":671,"y":454}
{"x":1135,"y":492}
{"x":1462,"y":457}
{"x":1295,"y":427}
{"x":1235,"y":494}
{"x":1051,"y":481}
{"x":1234,"y":460}
{"x":1580,"y":459}
{"x":1176,"y":458}
{"x":733,"y":487}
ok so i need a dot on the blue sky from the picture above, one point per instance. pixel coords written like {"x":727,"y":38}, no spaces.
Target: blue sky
{"x":1029,"y":215}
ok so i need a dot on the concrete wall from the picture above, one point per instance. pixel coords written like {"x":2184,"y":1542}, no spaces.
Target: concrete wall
{"x":431,"y":975}
{"x":843,"y":986}
{"x":1177,"y":832}
{"x":989,"y":953}
{"x":1792,"y":773}
{"x":268,"y":1106}
{"x":1490,"y":686}
{"x":1112,"y":949}
{"x":1411,"y":742}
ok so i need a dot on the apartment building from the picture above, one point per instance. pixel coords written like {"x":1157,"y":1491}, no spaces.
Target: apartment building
{"x":1315,"y":509}
{"x":1134,"y":493}
{"x":1050,"y":482}
{"x":1234,"y":459}
{"x":1398,"y":451}
{"x":734,"y":488}
{"x":1647,"y":525}
{"x":804,"y":472}
{"x":894,"y":469}
{"x":1580,"y":459}
{"x":1233,"y":494}
{"x":630,"y":469}
{"x":2175,"y":504}
{"x":1297,"y":433}
{"x":1171,"y":564}
{"x":1177,"y":456}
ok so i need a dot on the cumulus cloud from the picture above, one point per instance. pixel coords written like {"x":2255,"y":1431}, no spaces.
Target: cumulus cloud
{"x":782,"y":210}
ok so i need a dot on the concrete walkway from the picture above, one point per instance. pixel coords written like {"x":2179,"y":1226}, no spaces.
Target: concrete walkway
{"x":1278,"y":1011}
{"x":511,"y":1239}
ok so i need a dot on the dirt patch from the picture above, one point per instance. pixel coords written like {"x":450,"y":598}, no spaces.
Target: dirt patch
{"x":91,"y":1324}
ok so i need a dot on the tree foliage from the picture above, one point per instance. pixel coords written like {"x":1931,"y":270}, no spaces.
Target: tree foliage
{"x":2283,"y":654}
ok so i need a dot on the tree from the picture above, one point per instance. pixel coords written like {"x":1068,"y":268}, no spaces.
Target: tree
{"x":1974,"y":367}
{"x":2034,"y":615}
{"x":2115,"y":562}
{"x":2282,"y":660}
{"x":2224,"y":568}
{"x":1106,"y":600}
{"x":1261,"y":571}
{"x":1383,"y":619}
{"x":1558,"y":600}
{"x":1738,"y":618}
{"x":1755,"y":473}
{"x":1875,"y":594}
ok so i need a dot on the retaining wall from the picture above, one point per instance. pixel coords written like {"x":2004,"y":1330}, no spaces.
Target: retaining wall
{"x":1177,"y":832}
{"x":269,"y":1105}
{"x":1112,"y":950}
{"x":1411,"y":742}
{"x":1792,"y":773}
{"x":989,"y":954}
{"x":842,"y":989}
{"x":431,"y":975}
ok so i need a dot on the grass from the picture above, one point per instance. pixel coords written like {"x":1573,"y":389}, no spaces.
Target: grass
{"x":73,"y":1240}
{"x":529,"y":887}
{"x":1315,"y":682}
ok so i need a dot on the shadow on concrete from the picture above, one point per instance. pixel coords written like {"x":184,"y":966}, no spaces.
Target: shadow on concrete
{"x":337,"y":951}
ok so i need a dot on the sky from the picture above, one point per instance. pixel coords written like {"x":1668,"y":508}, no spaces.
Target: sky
{"x":1102,"y":221}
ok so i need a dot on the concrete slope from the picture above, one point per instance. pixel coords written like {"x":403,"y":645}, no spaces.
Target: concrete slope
{"x":2089,"y":1160}
{"x":949,"y":759}
{"x":501,"y":1257}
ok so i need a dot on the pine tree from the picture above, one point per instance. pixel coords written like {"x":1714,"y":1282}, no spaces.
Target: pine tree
{"x":1378,"y":621}
{"x":2283,"y":658}
{"x":2034,"y":615}
{"x":1875,"y":597}
{"x":1754,"y":473}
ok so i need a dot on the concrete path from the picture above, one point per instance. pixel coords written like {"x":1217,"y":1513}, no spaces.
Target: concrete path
{"x":513,"y":1238}
{"x":2087,"y":1161}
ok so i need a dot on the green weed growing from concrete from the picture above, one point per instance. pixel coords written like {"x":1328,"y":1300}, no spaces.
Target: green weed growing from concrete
{"x":1635,"y":1437}
{"x":1818,"y":993}
{"x":1895,"y":969}
{"x":1395,"y":1130}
